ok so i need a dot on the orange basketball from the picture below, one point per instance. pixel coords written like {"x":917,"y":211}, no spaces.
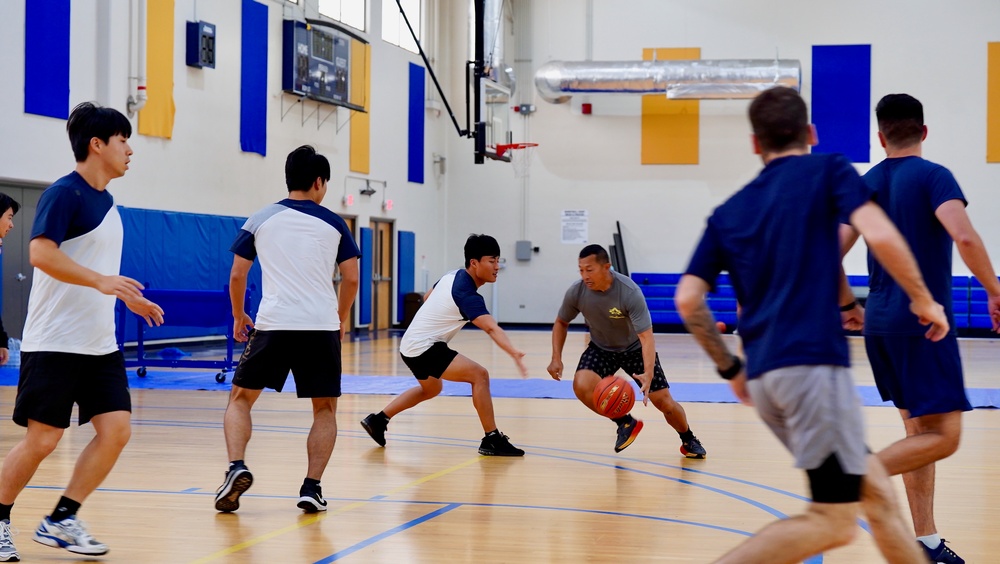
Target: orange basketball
{"x":614,"y":397}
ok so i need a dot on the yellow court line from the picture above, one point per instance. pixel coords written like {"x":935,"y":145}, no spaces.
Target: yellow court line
{"x":319,"y":517}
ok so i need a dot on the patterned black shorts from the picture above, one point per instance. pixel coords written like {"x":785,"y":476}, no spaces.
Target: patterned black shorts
{"x":606,"y":363}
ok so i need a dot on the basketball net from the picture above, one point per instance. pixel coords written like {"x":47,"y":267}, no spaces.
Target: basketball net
{"x":520,"y":157}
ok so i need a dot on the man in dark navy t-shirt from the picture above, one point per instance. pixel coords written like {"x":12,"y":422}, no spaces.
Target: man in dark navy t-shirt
{"x":922,"y":378}
{"x":778,"y":239}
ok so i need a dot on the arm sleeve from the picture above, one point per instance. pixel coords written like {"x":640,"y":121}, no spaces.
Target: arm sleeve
{"x":244,"y":245}
{"x":348,"y":247}
{"x":708,"y":259}
{"x":849,"y":190}
{"x":570,"y":306}
{"x":943,"y":187}
{"x":54,"y":214}
{"x":638,"y":311}
{"x":470,"y":303}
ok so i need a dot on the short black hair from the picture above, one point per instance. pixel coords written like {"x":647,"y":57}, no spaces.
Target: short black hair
{"x":779,"y":119}
{"x":597,"y":251}
{"x":900,"y":119}
{"x":479,"y":246}
{"x":89,"y":120}
{"x":303,"y":166}
{"x":8,"y":203}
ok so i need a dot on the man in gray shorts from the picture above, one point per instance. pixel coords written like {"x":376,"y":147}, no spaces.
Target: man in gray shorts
{"x":778,"y":239}
{"x":621,"y":337}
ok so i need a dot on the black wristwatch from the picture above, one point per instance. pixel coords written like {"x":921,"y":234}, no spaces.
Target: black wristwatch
{"x":734,"y":370}
{"x":850,"y":306}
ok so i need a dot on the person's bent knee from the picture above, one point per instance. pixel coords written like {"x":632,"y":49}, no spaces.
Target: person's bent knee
{"x":480,"y":375}
{"x":430,"y":387}
{"x":839,"y":523}
{"x":43,"y":439}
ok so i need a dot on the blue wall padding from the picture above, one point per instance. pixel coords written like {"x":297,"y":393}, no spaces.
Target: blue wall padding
{"x":365,"y":278}
{"x":46,"y":58}
{"x":415,"y":171}
{"x":841,"y":100}
{"x":180,"y":251}
{"x":407,"y":249}
{"x":253,"y":78}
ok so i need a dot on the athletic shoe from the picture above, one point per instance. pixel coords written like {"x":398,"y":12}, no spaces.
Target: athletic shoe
{"x":311,"y":499}
{"x":70,"y":534}
{"x":227,"y":497}
{"x":693,"y":449}
{"x":498,"y":445}
{"x":627,"y":432}
{"x":7,"y":551}
{"x":376,"y":427}
{"x":942,"y":554}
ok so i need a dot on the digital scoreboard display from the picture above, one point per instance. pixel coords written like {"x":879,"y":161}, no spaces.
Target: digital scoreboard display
{"x":316,"y":63}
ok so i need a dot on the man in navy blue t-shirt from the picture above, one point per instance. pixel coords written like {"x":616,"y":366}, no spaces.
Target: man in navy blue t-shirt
{"x":922,"y":378}
{"x":778,"y":239}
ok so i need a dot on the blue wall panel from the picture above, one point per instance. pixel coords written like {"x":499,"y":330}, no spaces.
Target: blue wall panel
{"x":415,"y":170}
{"x":407,"y":249}
{"x":365,"y":278}
{"x":253,"y":78}
{"x":46,"y":58}
{"x":841,"y":100}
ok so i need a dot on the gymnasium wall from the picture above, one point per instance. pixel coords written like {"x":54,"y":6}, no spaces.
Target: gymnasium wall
{"x":934,"y":50}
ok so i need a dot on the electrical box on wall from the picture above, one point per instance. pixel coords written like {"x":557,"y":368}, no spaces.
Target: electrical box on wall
{"x":201,"y":45}
{"x":522,"y":250}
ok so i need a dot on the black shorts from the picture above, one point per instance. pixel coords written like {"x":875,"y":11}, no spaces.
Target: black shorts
{"x":313,"y":357}
{"x":51,"y":382}
{"x":432,"y":362}
{"x":606,"y":363}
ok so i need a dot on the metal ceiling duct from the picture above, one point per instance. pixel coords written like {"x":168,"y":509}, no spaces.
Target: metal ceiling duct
{"x":558,"y":81}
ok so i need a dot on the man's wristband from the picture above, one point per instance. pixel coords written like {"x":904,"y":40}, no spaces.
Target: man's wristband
{"x":849,"y":306}
{"x":733,"y":371}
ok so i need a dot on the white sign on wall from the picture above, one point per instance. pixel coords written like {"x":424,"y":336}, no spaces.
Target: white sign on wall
{"x":575,"y":227}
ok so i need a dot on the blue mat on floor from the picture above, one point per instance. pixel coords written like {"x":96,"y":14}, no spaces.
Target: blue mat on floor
{"x":715,"y":392}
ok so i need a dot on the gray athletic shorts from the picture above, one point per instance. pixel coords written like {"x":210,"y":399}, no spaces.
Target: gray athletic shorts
{"x":815,"y":411}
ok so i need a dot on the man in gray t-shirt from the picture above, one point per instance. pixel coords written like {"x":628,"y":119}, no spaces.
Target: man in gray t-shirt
{"x":621,"y":337}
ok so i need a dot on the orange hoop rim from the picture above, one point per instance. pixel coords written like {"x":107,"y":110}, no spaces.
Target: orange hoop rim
{"x":501,"y":149}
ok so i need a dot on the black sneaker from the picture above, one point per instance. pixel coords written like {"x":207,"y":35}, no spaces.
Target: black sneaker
{"x":311,"y":499}
{"x":376,"y":427}
{"x":942,"y":554}
{"x":498,"y":445}
{"x":693,"y":449}
{"x":627,"y":432}
{"x":238,"y":480}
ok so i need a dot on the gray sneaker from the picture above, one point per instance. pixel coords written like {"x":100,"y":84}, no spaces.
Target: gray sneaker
{"x":70,"y":534}
{"x":7,"y":551}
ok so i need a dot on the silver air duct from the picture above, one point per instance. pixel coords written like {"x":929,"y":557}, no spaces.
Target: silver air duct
{"x":558,"y":81}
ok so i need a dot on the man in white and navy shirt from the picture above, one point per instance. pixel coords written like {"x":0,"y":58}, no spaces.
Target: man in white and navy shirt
{"x":299,"y":244}
{"x":452,"y":303}
{"x":69,"y":353}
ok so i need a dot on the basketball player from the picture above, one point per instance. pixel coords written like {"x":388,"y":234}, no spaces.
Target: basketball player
{"x":69,"y":353}
{"x":778,"y":239}
{"x":424,"y":347}
{"x":9,"y":206}
{"x":621,"y":336}
{"x":300,"y":244}
{"x":922,"y":378}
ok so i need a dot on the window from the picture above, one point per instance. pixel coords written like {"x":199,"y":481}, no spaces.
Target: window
{"x":349,"y":12}
{"x":394,"y":27}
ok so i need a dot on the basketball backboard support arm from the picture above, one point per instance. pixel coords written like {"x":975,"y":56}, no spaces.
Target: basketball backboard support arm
{"x":430,"y":71}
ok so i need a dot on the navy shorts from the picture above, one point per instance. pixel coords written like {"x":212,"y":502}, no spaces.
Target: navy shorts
{"x":51,"y":382}
{"x":431,"y":363}
{"x":313,"y":357}
{"x":606,"y":363}
{"x":918,"y":375}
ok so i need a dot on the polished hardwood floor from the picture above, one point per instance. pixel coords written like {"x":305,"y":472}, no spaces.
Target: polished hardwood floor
{"x":429,"y":497}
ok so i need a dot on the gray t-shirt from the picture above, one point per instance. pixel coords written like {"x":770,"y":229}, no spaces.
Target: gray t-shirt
{"x":615,"y":316}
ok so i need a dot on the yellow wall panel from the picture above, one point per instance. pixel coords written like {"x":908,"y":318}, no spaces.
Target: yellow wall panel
{"x":669,"y":127}
{"x":361,"y":80}
{"x":993,"y":103}
{"x":156,"y":119}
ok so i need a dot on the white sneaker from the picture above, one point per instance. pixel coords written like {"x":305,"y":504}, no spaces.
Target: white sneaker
{"x":7,"y":551}
{"x":70,"y":534}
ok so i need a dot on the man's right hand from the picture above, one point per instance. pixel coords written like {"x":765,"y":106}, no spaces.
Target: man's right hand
{"x":122,"y":287}
{"x":242,"y":324}
{"x":931,"y":313}
{"x":555,"y":369}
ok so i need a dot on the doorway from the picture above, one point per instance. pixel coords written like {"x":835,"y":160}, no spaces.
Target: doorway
{"x":382,"y":260}
{"x":16,"y":263}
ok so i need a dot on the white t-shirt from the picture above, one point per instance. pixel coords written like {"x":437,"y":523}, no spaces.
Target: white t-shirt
{"x":299,"y":243}
{"x":63,"y":317}
{"x":453,"y":302}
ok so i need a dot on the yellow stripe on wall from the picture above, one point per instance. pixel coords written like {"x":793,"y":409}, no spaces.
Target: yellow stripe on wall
{"x":669,"y":127}
{"x":157,"y":117}
{"x":361,"y":79}
{"x":993,"y":103}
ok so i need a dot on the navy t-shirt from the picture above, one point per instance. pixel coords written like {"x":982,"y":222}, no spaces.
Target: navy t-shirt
{"x":778,"y":239}
{"x":910,"y":190}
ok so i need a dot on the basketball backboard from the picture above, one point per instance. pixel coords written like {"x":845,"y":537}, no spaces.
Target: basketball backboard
{"x":496,"y":117}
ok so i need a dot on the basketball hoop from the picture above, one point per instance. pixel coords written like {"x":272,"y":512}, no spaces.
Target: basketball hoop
{"x":520,"y":156}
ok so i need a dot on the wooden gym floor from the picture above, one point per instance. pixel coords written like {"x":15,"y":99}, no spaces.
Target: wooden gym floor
{"x":429,"y":497}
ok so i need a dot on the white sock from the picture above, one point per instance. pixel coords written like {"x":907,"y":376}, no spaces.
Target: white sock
{"x":931,"y":541}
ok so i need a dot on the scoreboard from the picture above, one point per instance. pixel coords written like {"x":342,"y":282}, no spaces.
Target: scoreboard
{"x":316,"y":62}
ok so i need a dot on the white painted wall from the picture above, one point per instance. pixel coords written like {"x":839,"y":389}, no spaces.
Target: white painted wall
{"x":933,"y":50}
